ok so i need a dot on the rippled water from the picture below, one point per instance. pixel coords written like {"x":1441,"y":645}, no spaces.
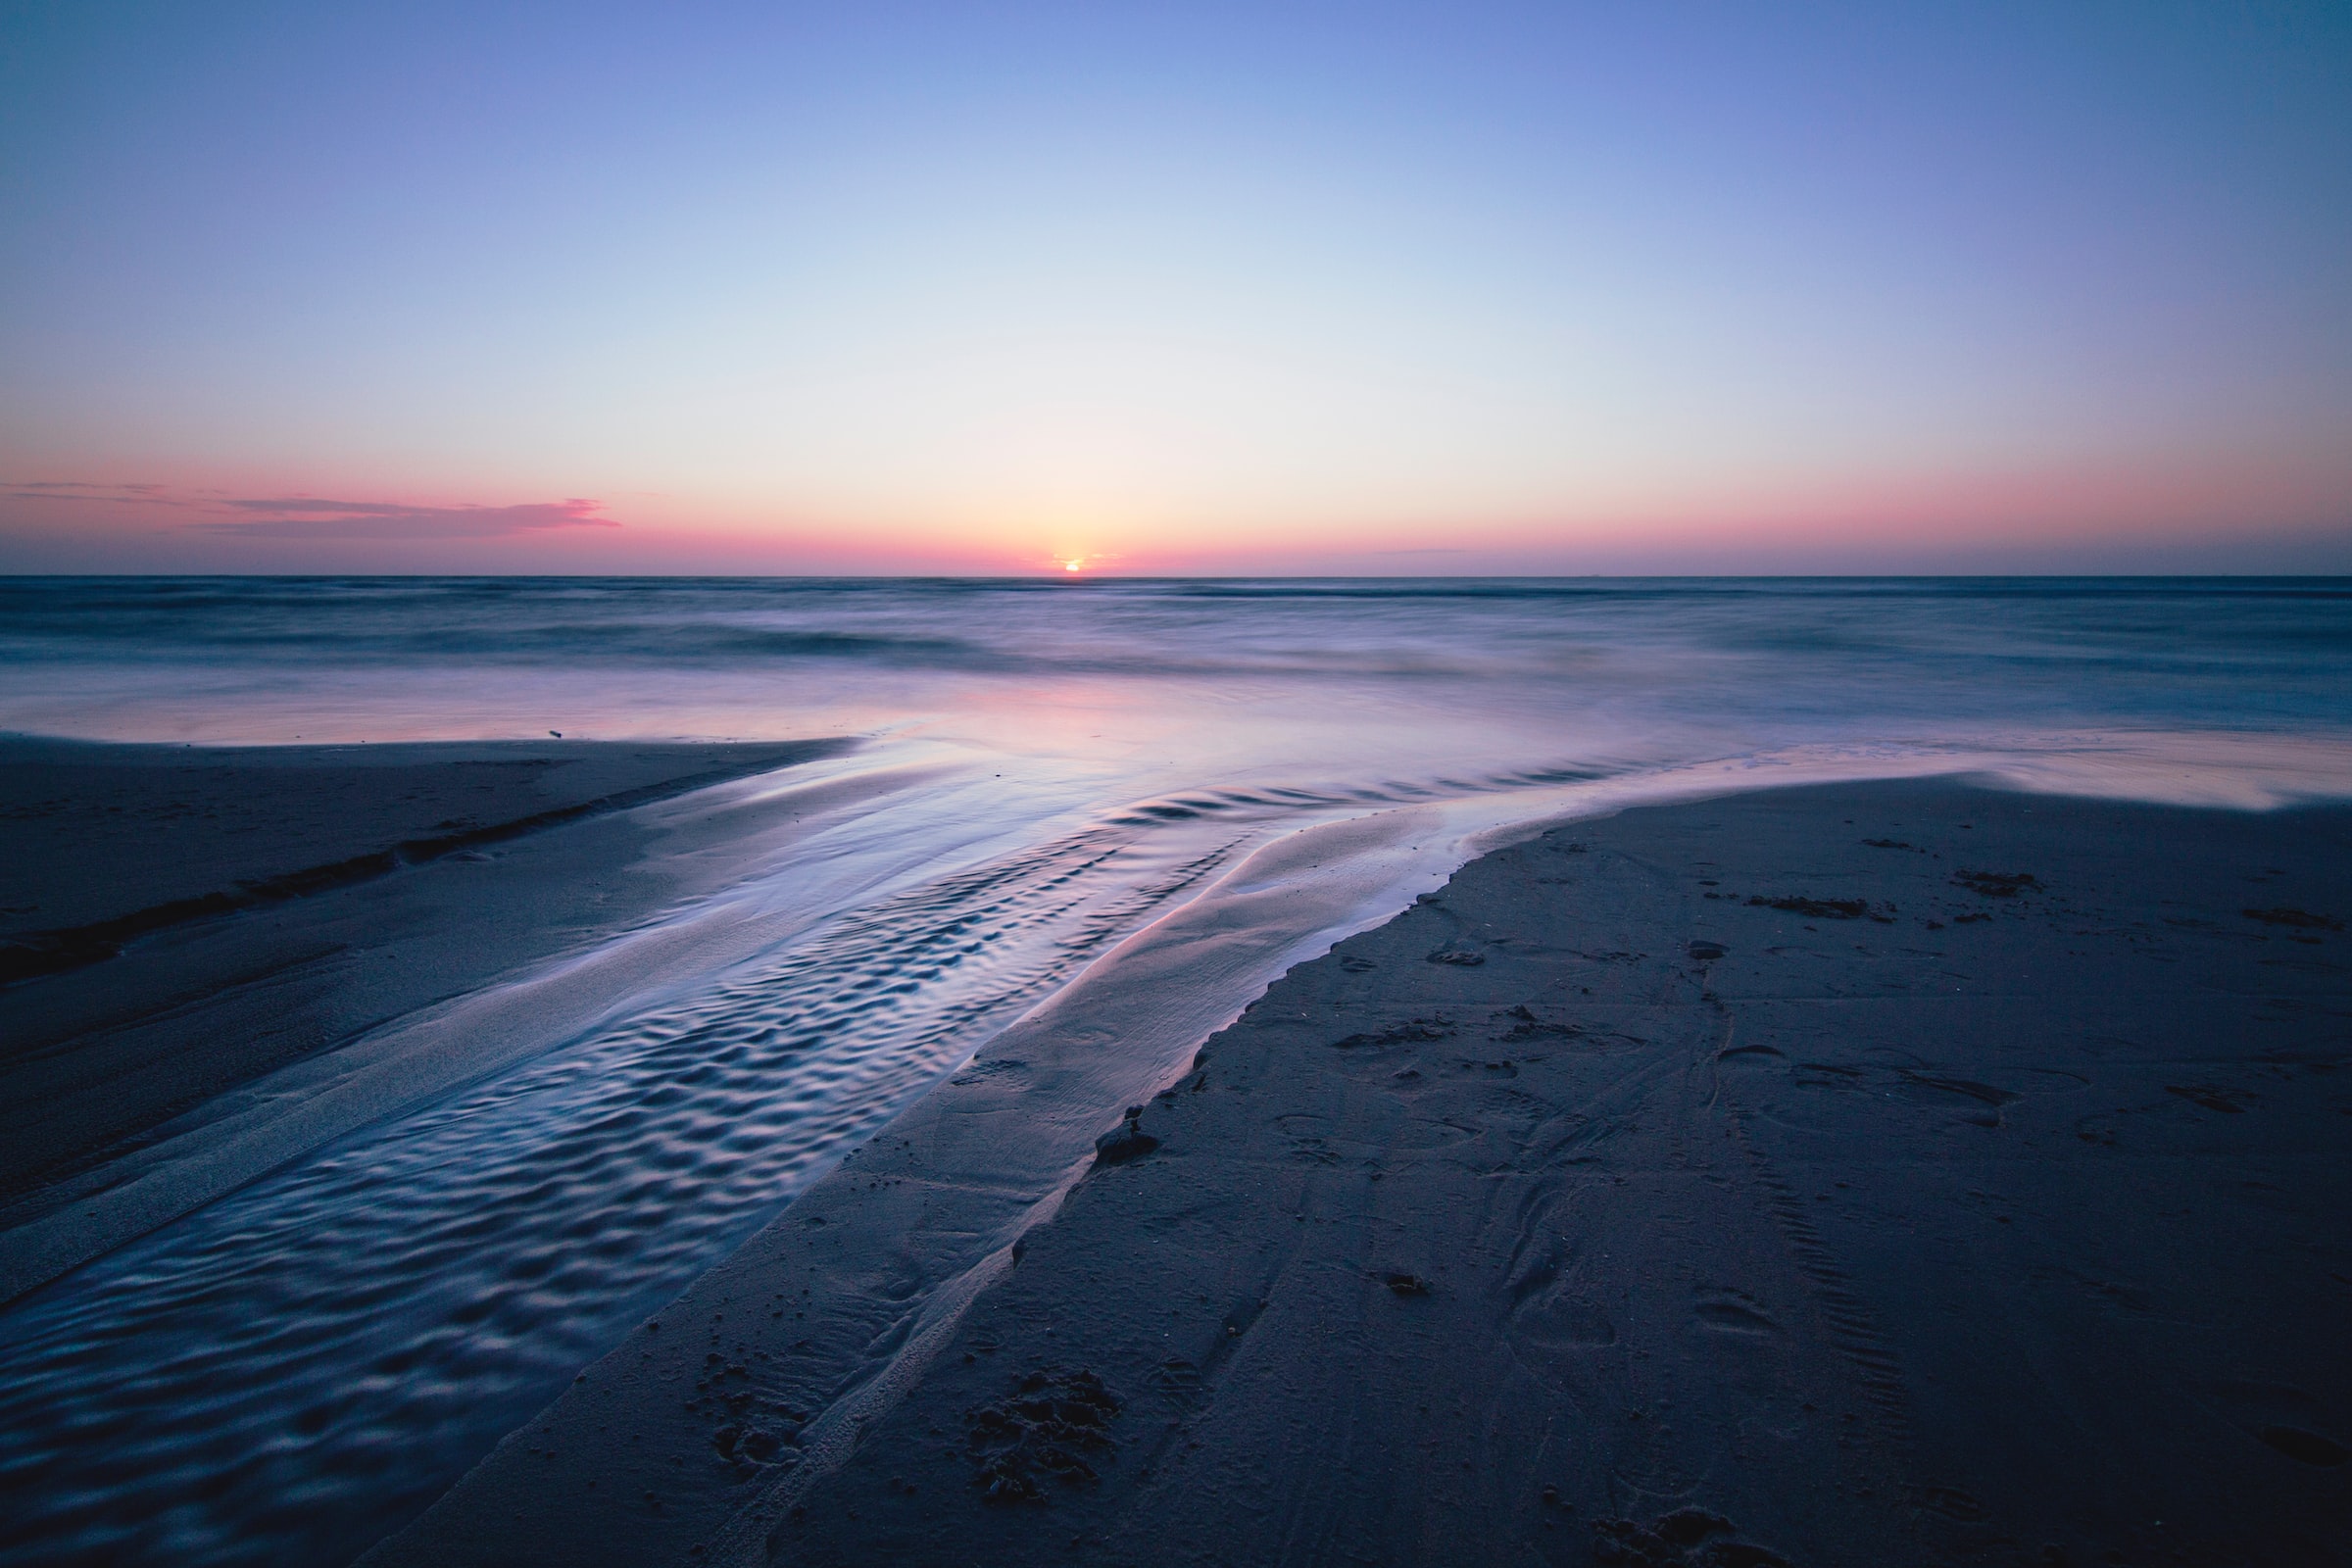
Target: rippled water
{"x":291,"y":1371}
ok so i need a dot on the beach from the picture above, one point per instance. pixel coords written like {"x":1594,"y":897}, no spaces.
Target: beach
{"x":1854,"y":1174}
{"x":431,"y":1144}
{"x":804,"y":786}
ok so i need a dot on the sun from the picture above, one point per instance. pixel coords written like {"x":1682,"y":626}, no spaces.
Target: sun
{"x":1074,"y":564}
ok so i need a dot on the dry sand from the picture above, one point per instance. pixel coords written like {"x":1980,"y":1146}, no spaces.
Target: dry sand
{"x":1860,"y":1175}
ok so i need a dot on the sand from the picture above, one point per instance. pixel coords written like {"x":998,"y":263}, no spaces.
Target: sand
{"x":1875,"y":1174}
{"x":1859,"y":1174}
{"x":177,"y":924}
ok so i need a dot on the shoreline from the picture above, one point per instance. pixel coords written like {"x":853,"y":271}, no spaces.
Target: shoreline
{"x":228,"y":878}
{"x":190,"y":923}
{"x":1732,"y":1176}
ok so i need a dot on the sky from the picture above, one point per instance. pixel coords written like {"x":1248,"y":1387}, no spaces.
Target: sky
{"x":1276,"y":287}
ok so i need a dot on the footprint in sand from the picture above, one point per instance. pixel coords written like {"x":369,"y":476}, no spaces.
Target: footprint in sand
{"x":1728,"y":1311}
{"x":1555,"y":1320}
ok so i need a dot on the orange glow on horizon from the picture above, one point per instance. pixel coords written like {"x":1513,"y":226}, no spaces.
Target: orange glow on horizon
{"x":1914,"y":516}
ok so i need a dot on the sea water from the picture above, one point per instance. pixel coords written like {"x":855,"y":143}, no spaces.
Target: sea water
{"x":1043,"y":770}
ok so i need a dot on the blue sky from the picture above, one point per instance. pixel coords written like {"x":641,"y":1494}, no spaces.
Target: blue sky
{"x":1180,"y":287}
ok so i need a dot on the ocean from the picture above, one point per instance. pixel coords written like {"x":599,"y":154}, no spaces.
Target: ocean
{"x":1044,"y":771}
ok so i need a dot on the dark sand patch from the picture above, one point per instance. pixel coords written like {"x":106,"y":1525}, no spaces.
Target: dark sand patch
{"x":1671,"y":1232}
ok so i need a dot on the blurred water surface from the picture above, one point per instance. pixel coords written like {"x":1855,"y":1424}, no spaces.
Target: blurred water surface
{"x":1544,"y":668}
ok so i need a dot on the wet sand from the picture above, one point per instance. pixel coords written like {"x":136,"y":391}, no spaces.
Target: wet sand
{"x":177,"y":924}
{"x":1843,"y":1175}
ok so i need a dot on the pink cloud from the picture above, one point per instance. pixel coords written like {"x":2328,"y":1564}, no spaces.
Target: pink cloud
{"x":79,"y":490}
{"x":309,"y":517}
{"x":209,"y":512}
